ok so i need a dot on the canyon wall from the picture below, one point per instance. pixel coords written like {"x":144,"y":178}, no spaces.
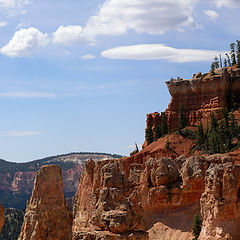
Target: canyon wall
{"x":47,"y":216}
{"x":155,"y":199}
{"x":200,"y":96}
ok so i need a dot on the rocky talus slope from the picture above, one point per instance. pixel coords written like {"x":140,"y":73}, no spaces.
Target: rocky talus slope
{"x":1,"y":217}
{"x":47,"y":216}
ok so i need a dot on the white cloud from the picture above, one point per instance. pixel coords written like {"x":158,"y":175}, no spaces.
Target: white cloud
{"x":28,"y":95}
{"x":159,"y":52}
{"x":13,"y":3}
{"x":23,"y":133}
{"x":116,"y":17}
{"x":227,"y":3}
{"x":213,"y":15}
{"x":25,"y":42}
{"x":88,"y":57}
{"x":3,"y":24}
{"x":71,"y":35}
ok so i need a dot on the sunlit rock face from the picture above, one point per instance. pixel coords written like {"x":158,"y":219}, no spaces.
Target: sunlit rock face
{"x":220,"y":202}
{"x":157,"y":198}
{"x":199,"y":96}
{"x":47,"y":216}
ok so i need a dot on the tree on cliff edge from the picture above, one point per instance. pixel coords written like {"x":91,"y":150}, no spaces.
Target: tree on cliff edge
{"x":149,"y":135}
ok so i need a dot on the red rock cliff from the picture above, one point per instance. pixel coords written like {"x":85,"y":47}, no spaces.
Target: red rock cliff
{"x":199,"y":96}
{"x":47,"y":217}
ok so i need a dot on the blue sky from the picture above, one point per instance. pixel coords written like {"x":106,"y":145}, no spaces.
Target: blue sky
{"x":82,"y":75}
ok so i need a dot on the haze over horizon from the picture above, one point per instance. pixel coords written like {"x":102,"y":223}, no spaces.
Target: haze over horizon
{"x":81,"y":76}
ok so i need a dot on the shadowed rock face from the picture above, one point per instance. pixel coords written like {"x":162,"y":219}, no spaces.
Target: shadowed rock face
{"x":47,"y":217}
{"x":1,"y":217}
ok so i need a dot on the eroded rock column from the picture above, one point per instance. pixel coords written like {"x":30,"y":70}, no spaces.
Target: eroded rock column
{"x":47,"y":216}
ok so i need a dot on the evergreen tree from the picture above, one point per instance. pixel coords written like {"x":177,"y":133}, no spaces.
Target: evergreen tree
{"x":164,"y":125}
{"x":233,"y":125}
{"x":197,"y":226}
{"x":225,"y":62}
{"x":233,"y":53}
{"x":149,"y":135}
{"x":216,"y":62}
{"x":157,"y":132}
{"x":183,"y":122}
{"x":238,"y":53}
{"x":200,"y":136}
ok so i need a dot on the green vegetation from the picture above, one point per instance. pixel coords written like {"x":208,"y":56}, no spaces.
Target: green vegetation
{"x":219,"y":135}
{"x":197,"y":226}
{"x":149,"y":135}
{"x":231,"y":59}
{"x":183,"y":122}
{"x":13,"y":224}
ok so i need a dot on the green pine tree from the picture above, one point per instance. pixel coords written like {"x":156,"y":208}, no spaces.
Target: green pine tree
{"x":197,"y":226}
{"x":183,"y":122}
{"x":200,"y":136}
{"x":233,"y":53}
{"x":149,"y":135}
{"x":164,"y":125}
{"x":238,"y":53}
{"x":157,"y":132}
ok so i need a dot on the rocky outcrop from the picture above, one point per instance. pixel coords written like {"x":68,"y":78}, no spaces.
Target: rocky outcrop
{"x":16,"y":179}
{"x":158,"y":198}
{"x":1,"y":217}
{"x":220,"y":203}
{"x":47,"y":217}
{"x":200,"y":96}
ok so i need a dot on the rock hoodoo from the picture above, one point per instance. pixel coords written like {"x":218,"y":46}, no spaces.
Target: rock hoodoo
{"x":158,"y":198}
{"x":47,"y":216}
{"x":1,"y":217}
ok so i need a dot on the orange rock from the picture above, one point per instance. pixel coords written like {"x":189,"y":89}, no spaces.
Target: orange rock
{"x":220,"y":202}
{"x":47,"y":217}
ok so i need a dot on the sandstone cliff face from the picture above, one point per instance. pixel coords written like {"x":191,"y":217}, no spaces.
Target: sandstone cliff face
{"x":158,"y":198}
{"x":199,"y":96}
{"x":1,"y":217}
{"x":220,"y":203}
{"x":47,"y":217}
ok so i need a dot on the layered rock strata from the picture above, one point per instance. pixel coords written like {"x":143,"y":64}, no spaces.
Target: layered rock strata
{"x":200,"y":96}
{"x":1,"y":217}
{"x":47,"y":216}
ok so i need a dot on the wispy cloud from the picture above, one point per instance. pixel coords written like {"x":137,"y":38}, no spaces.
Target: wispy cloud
{"x":3,"y":24}
{"x":21,"y":133}
{"x":28,"y":95}
{"x":88,"y":57}
{"x":213,"y":15}
{"x":159,"y":52}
